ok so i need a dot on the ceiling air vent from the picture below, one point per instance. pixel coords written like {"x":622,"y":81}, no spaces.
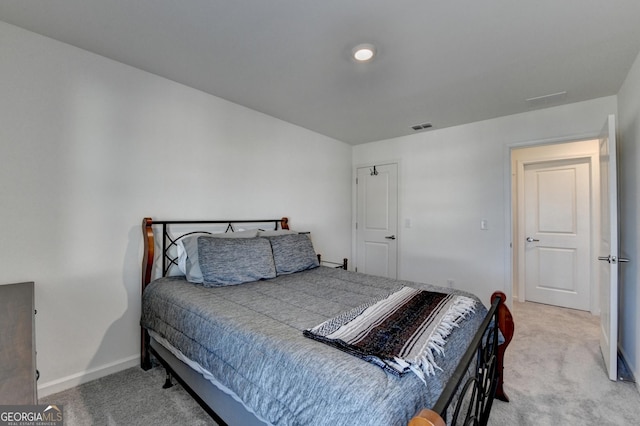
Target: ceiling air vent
{"x":422,"y":126}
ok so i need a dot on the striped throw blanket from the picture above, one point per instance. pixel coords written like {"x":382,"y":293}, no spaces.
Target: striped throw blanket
{"x":400,"y":333}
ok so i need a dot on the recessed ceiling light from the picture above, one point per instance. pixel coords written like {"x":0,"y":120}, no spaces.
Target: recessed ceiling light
{"x":364,"y":52}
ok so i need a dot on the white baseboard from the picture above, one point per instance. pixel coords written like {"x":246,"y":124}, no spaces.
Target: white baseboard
{"x":68,"y":382}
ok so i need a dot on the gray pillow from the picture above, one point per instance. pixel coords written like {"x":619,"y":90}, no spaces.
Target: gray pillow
{"x":229,"y":261}
{"x":293,"y":253}
{"x":188,"y":252}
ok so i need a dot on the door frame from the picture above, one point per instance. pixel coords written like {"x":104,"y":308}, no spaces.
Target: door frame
{"x":512,"y":238}
{"x":354,"y":211}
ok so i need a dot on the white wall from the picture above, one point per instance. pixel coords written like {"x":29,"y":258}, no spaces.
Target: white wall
{"x":629,"y":185}
{"x":453,"y":178}
{"x":89,"y":146}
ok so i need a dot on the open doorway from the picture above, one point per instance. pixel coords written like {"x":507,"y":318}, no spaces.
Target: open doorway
{"x":555,"y":217}
{"x":603,"y":266}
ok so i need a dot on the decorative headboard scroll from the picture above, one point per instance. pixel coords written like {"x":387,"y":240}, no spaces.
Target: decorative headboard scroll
{"x":187,"y":227}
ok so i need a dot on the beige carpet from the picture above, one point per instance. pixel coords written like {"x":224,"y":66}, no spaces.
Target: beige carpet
{"x":131,"y":397}
{"x":555,"y":375}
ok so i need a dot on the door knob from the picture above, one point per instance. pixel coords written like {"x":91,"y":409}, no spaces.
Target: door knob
{"x":390,"y":237}
{"x":613,"y":259}
{"x":531,"y":240}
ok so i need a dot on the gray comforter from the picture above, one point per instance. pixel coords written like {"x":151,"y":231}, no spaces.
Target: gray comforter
{"x":250,"y":338}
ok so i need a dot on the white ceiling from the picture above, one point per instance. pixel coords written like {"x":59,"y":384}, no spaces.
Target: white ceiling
{"x":445,"y":62}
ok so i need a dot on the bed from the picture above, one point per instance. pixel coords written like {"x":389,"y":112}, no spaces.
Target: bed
{"x":241,"y":346}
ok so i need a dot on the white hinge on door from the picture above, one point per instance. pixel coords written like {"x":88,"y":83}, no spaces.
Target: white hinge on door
{"x":356,"y":181}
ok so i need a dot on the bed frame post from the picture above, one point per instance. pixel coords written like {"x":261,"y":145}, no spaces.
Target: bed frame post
{"x":147,"y":266}
{"x":427,"y":417}
{"x":167,"y":381}
{"x":506,"y":325}
{"x":490,"y":360}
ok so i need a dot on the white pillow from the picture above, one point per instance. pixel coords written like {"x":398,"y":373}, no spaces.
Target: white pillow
{"x":182,"y":251}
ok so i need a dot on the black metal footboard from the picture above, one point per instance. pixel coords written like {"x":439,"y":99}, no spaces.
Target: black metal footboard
{"x":469,"y":394}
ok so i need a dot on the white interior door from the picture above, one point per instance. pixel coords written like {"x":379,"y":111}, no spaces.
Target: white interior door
{"x":558,"y":233}
{"x":609,"y":248}
{"x":377,"y":220}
